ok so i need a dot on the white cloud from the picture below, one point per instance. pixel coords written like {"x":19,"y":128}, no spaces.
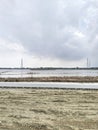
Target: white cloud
{"x":53,"y":29}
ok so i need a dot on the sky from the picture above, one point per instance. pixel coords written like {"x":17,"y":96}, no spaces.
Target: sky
{"x":48,"y":33}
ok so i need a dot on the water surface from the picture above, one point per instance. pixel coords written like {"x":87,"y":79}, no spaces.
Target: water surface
{"x":47,"y":73}
{"x":49,"y":85}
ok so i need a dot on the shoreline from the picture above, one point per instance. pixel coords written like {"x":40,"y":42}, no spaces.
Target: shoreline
{"x":77,"y":79}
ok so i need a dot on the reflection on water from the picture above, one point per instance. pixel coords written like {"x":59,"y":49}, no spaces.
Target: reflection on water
{"x":47,"y":73}
{"x":49,"y":85}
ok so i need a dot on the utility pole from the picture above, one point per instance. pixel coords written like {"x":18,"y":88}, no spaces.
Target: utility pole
{"x":87,"y":63}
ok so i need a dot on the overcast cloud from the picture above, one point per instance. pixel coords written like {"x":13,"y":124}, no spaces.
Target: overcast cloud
{"x":64,"y":30}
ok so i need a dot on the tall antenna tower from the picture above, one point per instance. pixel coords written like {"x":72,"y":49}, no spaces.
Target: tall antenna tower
{"x":21,"y":63}
{"x":88,"y":63}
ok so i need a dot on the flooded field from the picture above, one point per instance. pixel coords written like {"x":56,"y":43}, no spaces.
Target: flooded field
{"x":13,"y":73}
{"x":48,"y":109}
{"x":49,"y":85}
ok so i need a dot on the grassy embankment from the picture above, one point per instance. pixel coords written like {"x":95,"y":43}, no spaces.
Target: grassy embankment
{"x":51,"y":79}
{"x":48,"y":109}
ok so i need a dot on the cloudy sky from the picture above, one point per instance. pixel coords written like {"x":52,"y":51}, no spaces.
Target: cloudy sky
{"x":55,"y":33}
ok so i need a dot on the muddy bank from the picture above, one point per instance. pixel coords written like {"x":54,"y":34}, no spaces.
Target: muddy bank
{"x":51,"y":79}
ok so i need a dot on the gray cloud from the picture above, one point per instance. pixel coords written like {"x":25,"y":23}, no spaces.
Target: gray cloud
{"x":52,"y":28}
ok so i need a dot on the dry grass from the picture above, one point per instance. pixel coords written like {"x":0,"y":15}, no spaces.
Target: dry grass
{"x":48,"y":109}
{"x":51,"y":79}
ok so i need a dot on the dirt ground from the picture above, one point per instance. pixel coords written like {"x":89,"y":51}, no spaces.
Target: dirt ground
{"x":87,"y":79}
{"x":48,"y":109}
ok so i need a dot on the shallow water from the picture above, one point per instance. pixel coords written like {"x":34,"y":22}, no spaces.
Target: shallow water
{"x":50,"y":85}
{"x":47,"y":73}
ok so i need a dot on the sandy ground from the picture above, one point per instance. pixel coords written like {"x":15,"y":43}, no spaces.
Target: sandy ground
{"x":48,"y":109}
